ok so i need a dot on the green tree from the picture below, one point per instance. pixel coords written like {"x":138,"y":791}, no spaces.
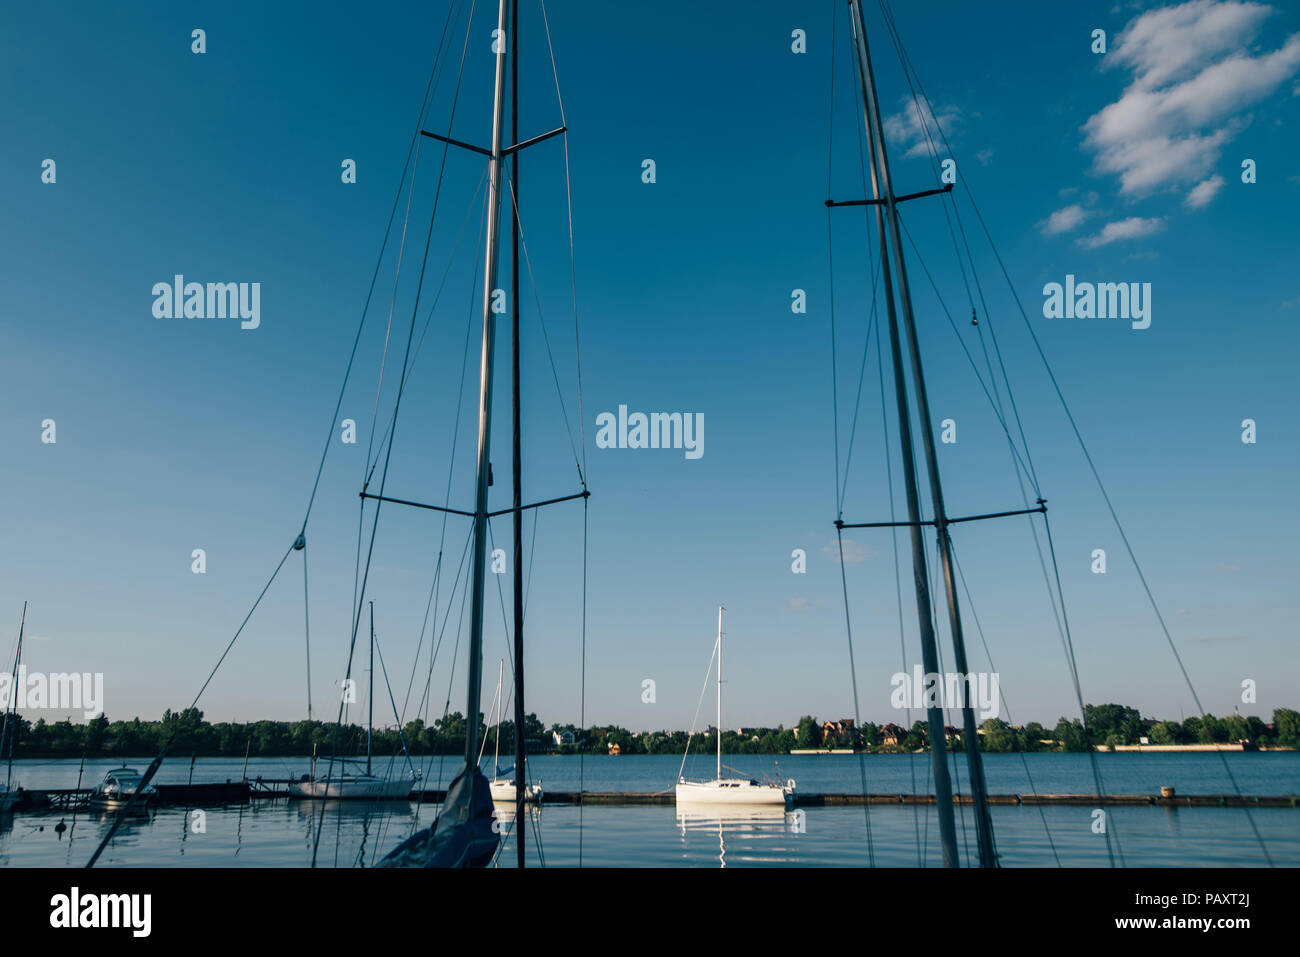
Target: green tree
{"x":1071,"y":735}
{"x":1105,"y":720}
{"x":998,"y":737}
{"x":1237,"y":727}
{"x":1213,"y":730}
{"x":917,"y":737}
{"x":1288,"y":727}
{"x":809,"y":734}
{"x":1166,"y":732}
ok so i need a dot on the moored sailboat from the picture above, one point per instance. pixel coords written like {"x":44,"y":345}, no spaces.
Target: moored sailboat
{"x":358,"y":785}
{"x":734,"y":790}
{"x":503,"y":788}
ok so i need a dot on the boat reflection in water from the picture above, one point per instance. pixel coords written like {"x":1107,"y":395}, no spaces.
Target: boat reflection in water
{"x":505,"y":813}
{"x":333,"y":808}
{"x":757,"y":833}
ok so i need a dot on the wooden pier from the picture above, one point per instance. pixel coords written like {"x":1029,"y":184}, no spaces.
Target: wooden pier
{"x":167,"y":795}
{"x":241,"y":792}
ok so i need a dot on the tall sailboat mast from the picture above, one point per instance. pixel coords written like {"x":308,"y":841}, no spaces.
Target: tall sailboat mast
{"x":887,"y":209}
{"x":517,"y":519}
{"x":719,"y":774}
{"x":10,"y":727}
{"x":370,"y":695}
{"x":475,"y":679}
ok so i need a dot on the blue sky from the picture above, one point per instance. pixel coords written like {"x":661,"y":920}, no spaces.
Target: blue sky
{"x":181,"y":434}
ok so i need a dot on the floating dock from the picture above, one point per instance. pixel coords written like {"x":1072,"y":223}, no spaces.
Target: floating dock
{"x":241,"y":792}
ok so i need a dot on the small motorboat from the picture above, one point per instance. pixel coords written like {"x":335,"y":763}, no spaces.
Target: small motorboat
{"x":118,"y":788}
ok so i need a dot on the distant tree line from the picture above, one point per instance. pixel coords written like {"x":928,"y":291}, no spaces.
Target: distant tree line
{"x":189,"y":733}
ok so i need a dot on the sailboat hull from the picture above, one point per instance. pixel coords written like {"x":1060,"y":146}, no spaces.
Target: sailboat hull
{"x":503,"y":792}
{"x":734,"y":792}
{"x":361,"y":788}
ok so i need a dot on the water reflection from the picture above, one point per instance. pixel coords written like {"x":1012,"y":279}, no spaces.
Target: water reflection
{"x":506,"y":812}
{"x":353,"y":810}
{"x":757,"y":833}
{"x":330,"y":825}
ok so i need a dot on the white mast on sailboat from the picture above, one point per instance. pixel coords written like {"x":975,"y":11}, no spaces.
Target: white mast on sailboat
{"x":485,"y":399}
{"x":719,"y":774}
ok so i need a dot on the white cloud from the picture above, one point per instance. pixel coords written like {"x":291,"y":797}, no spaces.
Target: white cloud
{"x":1063,"y":220}
{"x":1193,"y":77}
{"x":907,"y":129}
{"x":1204,"y":192}
{"x":1167,"y":44}
{"x":853,"y":552}
{"x":1134,"y":227}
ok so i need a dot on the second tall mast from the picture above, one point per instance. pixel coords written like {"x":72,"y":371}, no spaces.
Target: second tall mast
{"x":887,"y":209}
{"x":475,"y":680}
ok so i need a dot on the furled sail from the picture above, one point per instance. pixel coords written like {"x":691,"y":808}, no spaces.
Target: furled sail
{"x":465,"y":833}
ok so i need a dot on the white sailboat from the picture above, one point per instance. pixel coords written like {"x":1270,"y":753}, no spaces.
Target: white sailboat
{"x":731,"y":790}
{"x":357,"y":786}
{"x":503,"y":789}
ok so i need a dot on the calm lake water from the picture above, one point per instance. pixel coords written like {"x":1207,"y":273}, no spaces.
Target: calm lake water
{"x":280,"y":833}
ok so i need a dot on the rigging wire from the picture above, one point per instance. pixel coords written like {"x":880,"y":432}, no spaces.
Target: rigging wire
{"x":154,"y":765}
{"x":401,"y":387}
{"x":1023,"y":471}
{"x":432,"y":602}
{"x":898,"y":584}
{"x":573,"y":269}
{"x":582,"y":424}
{"x":306,"y":620}
{"x":428,"y":320}
{"x":839,"y":487}
{"x":857,"y":708}
{"x":523,"y":243}
{"x":158,"y":760}
{"x":698,"y":705}
{"x":582,"y":720}
{"x":1003,"y":698}
{"x":1028,"y":466}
